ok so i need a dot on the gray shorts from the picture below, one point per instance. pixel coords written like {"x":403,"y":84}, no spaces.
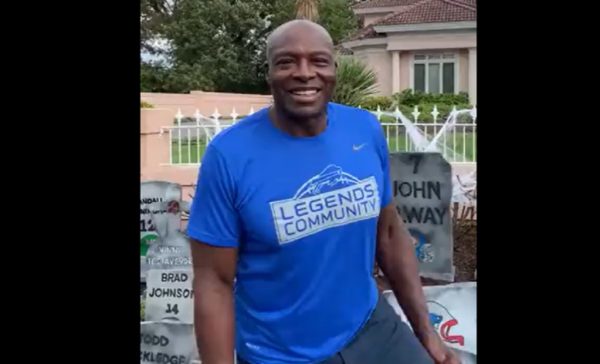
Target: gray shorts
{"x":384,"y":339}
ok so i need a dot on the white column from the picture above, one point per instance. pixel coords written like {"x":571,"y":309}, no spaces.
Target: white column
{"x":473,"y":76}
{"x":395,"y":71}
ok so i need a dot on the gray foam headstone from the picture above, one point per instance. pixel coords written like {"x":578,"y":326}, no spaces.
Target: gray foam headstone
{"x":164,"y":342}
{"x":453,"y":313}
{"x":422,"y":190}
{"x":155,"y":197}
{"x":168,"y":257}
{"x":172,"y":247}
{"x":169,"y":295}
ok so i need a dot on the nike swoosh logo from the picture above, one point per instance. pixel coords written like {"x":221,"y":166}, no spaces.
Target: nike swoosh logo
{"x":357,"y":147}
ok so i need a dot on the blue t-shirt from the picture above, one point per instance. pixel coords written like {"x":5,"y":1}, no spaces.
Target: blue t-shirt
{"x":303,"y":212}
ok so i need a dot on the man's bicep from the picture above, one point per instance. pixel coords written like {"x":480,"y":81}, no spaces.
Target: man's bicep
{"x":390,"y":227}
{"x":388,"y":220}
{"x":214,"y":262}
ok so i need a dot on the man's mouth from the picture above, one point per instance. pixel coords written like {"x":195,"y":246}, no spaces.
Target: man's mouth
{"x":305,"y":94}
{"x":308,"y":92}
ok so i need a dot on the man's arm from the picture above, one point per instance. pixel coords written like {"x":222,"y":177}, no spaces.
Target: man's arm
{"x":396,"y":258}
{"x":214,"y":272}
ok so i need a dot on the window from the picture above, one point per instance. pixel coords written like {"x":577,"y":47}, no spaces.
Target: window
{"x":434,"y":73}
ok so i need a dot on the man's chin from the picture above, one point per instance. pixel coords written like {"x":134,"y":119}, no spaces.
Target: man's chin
{"x":306,"y":112}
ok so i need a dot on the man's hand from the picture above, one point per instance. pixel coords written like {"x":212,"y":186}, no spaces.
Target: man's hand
{"x":440,"y":352}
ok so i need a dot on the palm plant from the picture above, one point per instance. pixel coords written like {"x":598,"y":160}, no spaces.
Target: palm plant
{"x":307,"y":9}
{"x":355,"y":82}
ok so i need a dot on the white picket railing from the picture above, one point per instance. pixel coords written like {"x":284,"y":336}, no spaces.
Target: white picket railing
{"x":454,"y":137}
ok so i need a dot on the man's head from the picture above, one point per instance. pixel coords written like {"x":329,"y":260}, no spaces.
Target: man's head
{"x":301,"y":68}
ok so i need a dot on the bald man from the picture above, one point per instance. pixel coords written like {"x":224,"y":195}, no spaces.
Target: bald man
{"x":293,"y":206}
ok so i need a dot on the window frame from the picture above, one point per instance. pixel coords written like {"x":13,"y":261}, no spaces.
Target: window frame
{"x":455,"y":60}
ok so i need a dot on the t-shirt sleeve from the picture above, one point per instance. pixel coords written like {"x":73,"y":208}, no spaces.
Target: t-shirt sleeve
{"x":384,"y":156}
{"x":214,"y":220}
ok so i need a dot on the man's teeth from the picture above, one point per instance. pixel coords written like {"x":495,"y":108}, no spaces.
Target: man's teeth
{"x":304,"y":92}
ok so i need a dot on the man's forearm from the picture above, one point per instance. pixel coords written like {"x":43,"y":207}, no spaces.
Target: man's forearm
{"x":397,"y":260}
{"x":214,"y":321}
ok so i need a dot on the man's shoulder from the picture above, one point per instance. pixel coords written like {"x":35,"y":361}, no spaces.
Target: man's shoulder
{"x":347,"y":110}
{"x":355,"y":116}
{"x":239,"y":134}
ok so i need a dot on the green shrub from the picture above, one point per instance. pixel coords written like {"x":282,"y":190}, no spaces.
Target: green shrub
{"x":146,"y":105}
{"x":410,"y":98}
{"x":425,"y":102}
{"x":371,"y":103}
{"x":355,"y":82}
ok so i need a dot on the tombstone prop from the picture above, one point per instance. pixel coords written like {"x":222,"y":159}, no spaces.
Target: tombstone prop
{"x":169,"y":294}
{"x":453,"y":314}
{"x":422,"y":192}
{"x":165,"y":342}
{"x":171,"y":248}
{"x":152,"y":196}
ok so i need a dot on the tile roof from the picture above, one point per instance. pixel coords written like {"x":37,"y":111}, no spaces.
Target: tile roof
{"x":383,"y":3}
{"x":433,"y":11}
{"x":418,"y":12}
{"x":367,"y":32}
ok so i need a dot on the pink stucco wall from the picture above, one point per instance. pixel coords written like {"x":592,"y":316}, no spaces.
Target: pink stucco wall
{"x":207,"y":102}
{"x":154,"y":147}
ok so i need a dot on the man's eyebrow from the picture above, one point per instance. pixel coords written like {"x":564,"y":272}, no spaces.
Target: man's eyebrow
{"x":289,"y":52}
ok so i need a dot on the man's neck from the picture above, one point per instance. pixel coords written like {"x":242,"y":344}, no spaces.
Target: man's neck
{"x":307,"y":127}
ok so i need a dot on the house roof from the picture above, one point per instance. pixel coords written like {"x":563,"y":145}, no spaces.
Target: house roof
{"x":383,"y":3}
{"x":368,"y":31}
{"x":433,"y":11}
{"x":471,"y":3}
{"x":418,"y":12}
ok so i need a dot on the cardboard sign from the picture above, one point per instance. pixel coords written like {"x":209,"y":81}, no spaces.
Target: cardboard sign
{"x":422,"y":190}
{"x":452,"y":312}
{"x":169,"y":295}
{"x":167,"y":343}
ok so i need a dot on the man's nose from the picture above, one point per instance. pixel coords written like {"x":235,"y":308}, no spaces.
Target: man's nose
{"x":304,"y":71}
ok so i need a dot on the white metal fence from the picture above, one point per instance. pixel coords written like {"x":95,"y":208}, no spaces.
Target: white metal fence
{"x":454,"y":137}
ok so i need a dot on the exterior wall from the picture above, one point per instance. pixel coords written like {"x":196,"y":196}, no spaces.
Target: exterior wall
{"x":463,"y":70}
{"x":409,"y":43}
{"x":206,"y":102}
{"x":405,"y":70}
{"x":380,"y":61}
{"x":432,"y":40}
{"x":154,"y":152}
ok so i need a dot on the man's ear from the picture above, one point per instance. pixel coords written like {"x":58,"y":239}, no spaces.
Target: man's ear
{"x":267,"y":77}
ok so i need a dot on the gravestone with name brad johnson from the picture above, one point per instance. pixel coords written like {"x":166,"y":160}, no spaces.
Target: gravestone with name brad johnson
{"x":422,"y":191}
{"x":167,"y":333}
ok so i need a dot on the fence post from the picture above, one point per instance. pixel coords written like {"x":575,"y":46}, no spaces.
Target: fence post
{"x":416,"y":114}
